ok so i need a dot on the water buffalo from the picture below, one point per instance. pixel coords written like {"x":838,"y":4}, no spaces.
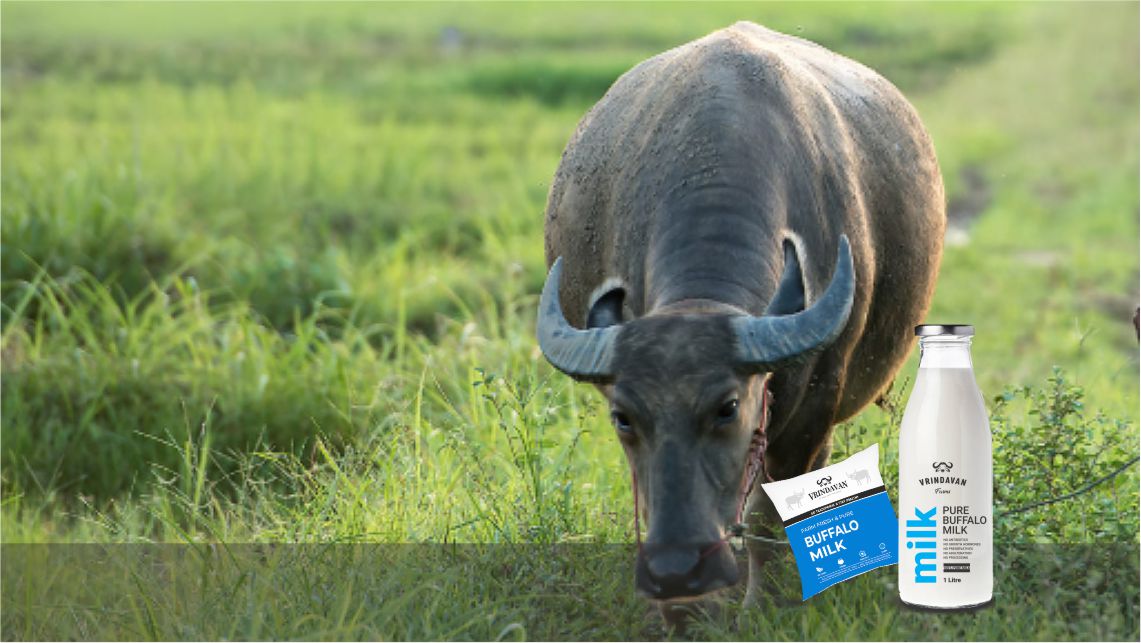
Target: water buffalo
{"x":746,"y":211}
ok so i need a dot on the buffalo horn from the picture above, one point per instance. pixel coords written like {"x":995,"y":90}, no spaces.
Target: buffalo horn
{"x":582,"y":354}
{"x":768,"y":342}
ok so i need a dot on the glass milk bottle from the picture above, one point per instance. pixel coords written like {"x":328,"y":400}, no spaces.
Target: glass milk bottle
{"x":945,"y":517}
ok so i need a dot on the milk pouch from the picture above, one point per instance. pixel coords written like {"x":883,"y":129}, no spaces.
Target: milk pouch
{"x":838,"y":520}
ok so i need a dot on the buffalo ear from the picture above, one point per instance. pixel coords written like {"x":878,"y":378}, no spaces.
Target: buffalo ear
{"x":789,"y":297}
{"x":606,"y":309}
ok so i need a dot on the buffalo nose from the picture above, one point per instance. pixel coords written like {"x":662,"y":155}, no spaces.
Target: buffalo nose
{"x":671,"y":571}
{"x":674,"y":567}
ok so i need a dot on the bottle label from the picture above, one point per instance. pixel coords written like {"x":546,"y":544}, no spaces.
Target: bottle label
{"x":946,"y":532}
{"x":944,"y":537}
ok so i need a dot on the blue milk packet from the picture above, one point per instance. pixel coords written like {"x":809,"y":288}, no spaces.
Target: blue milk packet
{"x":838,"y":520}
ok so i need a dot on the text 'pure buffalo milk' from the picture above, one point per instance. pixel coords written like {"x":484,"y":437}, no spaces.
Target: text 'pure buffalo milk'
{"x":945,"y":517}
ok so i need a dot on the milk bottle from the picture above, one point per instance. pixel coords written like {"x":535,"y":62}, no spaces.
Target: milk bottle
{"x":945,"y":517}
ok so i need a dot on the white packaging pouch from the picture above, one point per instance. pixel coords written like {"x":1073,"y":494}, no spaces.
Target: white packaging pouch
{"x":838,"y":520}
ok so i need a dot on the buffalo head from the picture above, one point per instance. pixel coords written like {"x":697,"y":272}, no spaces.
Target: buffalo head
{"x":686,"y":394}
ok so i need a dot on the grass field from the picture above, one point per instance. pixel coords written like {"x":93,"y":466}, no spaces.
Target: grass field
{"x":269,"y":273}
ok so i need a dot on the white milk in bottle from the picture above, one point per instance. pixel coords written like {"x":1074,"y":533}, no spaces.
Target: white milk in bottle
{"x":945,"y":517}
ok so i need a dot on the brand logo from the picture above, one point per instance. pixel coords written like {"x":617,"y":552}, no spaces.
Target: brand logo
{"x":826,"y":486}
{"x":943,"y":467}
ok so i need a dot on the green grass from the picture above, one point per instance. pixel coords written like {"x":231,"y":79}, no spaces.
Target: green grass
{"x":499,"y":592}
{"x":268,"y":275}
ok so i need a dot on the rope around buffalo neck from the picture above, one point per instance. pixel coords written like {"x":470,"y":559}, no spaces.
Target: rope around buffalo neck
{"x":754,"y":468}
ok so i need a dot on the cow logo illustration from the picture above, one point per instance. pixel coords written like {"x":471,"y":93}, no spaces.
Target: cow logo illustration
{"x":942,"y":467}
{"x":795,"y":499}
{"x":823,"y":482}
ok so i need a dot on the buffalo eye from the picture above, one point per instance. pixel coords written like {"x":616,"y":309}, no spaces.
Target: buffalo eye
{"x":622,"y":423}
{"x":727,"y":412}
